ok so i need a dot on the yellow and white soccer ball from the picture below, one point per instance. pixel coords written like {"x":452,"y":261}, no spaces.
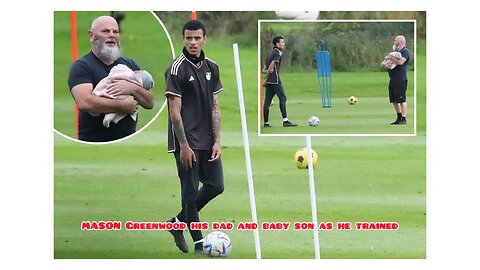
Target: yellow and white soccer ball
{"x":352,"y":100}
{"x":217,"y":244}
{"x":301,"y":158}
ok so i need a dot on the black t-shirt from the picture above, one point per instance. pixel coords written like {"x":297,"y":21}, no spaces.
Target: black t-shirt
{"x":276,"y":56}
{"x":196,"y":85}
{"x":90,"y":69}
{"x":399,"y":73}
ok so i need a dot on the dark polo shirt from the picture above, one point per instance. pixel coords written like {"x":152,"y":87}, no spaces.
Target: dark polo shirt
{"x":195,"y":85}
{"x":276,"y":56}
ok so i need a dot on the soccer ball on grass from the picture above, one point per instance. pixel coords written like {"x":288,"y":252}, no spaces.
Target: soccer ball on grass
{"x":352,"y":100}
{"x":313,"y":121}
{"x":301,"y":158}
{"x":217,"y":244}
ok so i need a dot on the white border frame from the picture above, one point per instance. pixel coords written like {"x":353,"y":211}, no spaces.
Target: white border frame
{"x":259,"y":22}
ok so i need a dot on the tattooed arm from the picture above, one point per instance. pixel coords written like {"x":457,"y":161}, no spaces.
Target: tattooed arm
{"x":216,"y":150}
{"x":187,"y":156}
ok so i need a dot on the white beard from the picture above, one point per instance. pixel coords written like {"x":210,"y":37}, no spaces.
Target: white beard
{"x":105,"y":53}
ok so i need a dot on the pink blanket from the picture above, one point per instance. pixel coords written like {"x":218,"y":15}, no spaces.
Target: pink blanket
{"x":118,"y":72}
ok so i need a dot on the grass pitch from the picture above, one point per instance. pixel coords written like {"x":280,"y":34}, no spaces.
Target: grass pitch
{"x":371,"y":115}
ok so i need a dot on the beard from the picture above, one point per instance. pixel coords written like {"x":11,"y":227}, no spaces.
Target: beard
{"x":106,"y":53}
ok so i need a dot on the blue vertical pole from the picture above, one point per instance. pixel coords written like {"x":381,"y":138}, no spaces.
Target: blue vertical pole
{"x":324,"y":77}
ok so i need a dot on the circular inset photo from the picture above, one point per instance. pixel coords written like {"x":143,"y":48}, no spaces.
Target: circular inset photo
{"x":107,"y":67}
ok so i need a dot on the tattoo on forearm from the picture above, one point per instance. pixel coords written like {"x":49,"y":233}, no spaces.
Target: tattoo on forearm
{"x":179,"y":130}
{"x":216,"y":121}
{"x":176,"y":118}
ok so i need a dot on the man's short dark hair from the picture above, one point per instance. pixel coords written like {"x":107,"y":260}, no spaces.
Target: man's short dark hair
{"x":194,"y":25}
{"x":276,"y":40}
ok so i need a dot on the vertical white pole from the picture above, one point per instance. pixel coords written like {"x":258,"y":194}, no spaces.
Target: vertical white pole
{"x":246,"y":146}
{"x":313,"y":200}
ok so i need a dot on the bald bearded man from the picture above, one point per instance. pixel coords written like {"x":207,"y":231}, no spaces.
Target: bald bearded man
{"x":397,"y":86}
{"x":89,"y":70}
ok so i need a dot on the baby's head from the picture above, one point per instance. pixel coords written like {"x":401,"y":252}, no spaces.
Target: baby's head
{"x":147,"y":79}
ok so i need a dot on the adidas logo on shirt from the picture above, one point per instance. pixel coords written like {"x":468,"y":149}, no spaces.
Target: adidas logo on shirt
{"x":191,"y":78}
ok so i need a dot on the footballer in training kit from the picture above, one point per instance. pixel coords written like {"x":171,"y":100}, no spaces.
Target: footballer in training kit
{"x":273,"y":83}
{"x":192,"y":85}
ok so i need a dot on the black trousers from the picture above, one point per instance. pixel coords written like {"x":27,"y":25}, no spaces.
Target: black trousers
{"x":210,"y":174}
{"x":271,"y":91}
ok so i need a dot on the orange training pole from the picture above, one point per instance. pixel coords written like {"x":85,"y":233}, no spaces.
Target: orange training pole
{"x":73,"y":32}
{"x":194,"y":15}
{"x":261,"y":96}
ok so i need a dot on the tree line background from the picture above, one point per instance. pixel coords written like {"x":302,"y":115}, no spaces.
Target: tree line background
{"x":352,"y":45}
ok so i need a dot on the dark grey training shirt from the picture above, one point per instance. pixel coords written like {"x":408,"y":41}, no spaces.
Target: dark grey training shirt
{"x":196,"y":85}
{"x":276,"y":56}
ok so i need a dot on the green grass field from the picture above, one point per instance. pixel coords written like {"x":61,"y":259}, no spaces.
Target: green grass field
{"x":357,"y":178}
{"x":371,"y":115}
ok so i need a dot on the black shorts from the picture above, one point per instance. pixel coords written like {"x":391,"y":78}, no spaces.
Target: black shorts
{"x":397,"y":91}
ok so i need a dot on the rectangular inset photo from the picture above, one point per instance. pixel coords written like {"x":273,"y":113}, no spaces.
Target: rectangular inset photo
{"x":337,"y":77}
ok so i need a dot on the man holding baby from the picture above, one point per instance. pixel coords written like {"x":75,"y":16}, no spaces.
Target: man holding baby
{"x":89,"y":70}
{"x":397,"y":63}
